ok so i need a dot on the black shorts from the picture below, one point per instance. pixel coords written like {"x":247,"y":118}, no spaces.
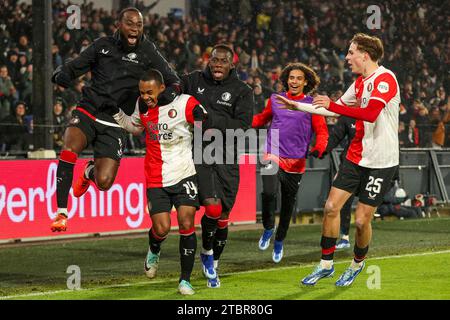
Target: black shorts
{"x":184,"y":193}
{"x":368,"y":184}
{"x":107,"y":141}
{"x":220,"y":181}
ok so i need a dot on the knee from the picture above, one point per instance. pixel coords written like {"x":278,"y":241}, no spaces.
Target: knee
{"x":213,"y":211}
{"x":104,"y":181}
{"x":225,"y":216}
{"x":186,"y":223}
{"x":361,"y":223}
{"x":331,"y":209}
{"x":161,"y":229}
{"x":222,"y":223}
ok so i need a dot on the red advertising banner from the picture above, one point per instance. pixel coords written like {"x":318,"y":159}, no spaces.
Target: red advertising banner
{"x":28,"y":200}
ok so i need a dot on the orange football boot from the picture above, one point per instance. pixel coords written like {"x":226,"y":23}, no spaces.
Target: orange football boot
{"x":60,"y":223}
{"x":81,"y":185}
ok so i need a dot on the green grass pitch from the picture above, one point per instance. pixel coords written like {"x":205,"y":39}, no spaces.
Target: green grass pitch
{"x":407,"y":260}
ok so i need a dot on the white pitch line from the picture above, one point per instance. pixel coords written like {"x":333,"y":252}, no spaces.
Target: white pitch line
{"x":124,"y":285}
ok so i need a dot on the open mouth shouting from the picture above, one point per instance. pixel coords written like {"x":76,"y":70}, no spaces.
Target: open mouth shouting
{"x":132,"y":39}
{"x":294,"y":89}
{"x":150,"y":103}
{"x":217,"y":73}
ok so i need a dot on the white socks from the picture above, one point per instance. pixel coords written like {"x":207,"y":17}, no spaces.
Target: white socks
{"x":326,"y":264}
{"x":207,"y":252}
{"x":356,"y":265}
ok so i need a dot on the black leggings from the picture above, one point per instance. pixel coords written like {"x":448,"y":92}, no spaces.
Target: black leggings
{"x":290,"y":183}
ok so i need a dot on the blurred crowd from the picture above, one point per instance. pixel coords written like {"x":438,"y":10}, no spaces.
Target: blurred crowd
{"x":265,"y":35}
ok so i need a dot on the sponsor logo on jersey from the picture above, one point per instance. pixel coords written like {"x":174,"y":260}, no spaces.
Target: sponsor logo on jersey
{"x":224,"y":103}
{"x":131,"y":57}
{"x":156,"y":131}
{"x":172,"y":113}
{"x":383,"y":87}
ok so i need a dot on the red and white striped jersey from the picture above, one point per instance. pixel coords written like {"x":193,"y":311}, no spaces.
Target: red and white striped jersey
{"x":375,"y":145}
{"x":169,"y":133}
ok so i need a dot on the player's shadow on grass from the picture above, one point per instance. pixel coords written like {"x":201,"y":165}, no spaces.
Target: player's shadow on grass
{"x":117,"y":254}
{"x":413,"y":229}
{"x":306,"y":290}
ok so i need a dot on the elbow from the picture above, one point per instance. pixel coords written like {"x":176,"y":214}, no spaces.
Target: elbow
{"x":371,"y":119}
{"x":256,"y":124}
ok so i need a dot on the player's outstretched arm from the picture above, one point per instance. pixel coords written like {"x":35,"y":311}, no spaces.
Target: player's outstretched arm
{"x":305,"y":107}
{"x":132,"y":123}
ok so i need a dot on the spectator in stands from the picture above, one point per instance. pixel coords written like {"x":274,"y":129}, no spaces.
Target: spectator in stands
{"x":14,"y":131}
{"x":57,"y":59}
{"x":12,"y":65}
{"x":419,"y":56}
{"x":413,"y":135}
{"x":402,"y":135}
{"x":59,"y":124}
{"x":7,"y":92}
{"x":25,"y":85}
{"x":423,"y":124}
{"x":437,"y":128}
{"x":66,"y":45}
{"x":24,"y":46}
{"x":260,"y":99}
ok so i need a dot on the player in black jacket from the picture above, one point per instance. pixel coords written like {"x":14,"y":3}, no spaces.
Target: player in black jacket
{"x":116,"y":64}
{"x":229,"y":103}
{"x":342,"y":134}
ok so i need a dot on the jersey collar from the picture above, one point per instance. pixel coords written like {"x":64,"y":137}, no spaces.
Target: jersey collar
{"x":298,"y":97}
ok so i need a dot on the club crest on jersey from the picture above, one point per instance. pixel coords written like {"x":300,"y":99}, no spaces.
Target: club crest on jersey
{"x":74,"y":120}
{"x":131,"y":57}
{"x":226,"y":96}
{"x":172,"y":113}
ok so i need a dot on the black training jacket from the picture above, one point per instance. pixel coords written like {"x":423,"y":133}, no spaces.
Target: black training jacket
{"x":229,"y":103}
{"x":116,"y":72}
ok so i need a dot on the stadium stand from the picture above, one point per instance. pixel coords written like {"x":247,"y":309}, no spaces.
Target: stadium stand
{"x":265,"y":36}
